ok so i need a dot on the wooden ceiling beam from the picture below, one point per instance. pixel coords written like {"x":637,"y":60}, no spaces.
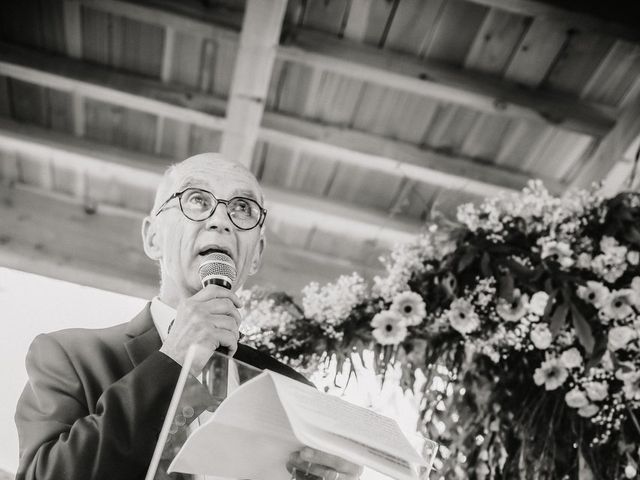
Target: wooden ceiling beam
{"x":256,"y":56}
{"x":79,"y":88}
{"x":475,"y":90}
{"x":54,"y":235}
{"x":66,"y":152}
{"x":614,"y":18}
{"x":348,"y":146}
{"x":395,"y":157}
{"x":404,"y":72}
{"x":613,"y":160}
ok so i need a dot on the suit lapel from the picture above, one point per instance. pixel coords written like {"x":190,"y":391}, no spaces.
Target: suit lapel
{"x":144,"y":338}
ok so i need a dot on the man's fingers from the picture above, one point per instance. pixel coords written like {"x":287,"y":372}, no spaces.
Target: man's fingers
{"x":224,"y":307}
{"x":322,"y":465}
{"x":337,"y":463}
{"x":215,"y":291}
{"x":314,"y":471}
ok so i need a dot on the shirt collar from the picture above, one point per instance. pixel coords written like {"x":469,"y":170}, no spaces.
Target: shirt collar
{"x":162,"y":315}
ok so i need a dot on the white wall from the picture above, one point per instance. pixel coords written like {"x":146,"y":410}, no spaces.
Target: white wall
{"x":29,"y":305}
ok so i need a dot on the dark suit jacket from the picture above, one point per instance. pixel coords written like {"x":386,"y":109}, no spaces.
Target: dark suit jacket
{"x":96,"y":400}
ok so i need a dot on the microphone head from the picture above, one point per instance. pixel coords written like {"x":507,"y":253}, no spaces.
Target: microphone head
{"x":218,"y":269}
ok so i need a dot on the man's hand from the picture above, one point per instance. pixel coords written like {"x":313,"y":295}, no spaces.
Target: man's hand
{"x":310,"y":464}
{"x":209,"y":319}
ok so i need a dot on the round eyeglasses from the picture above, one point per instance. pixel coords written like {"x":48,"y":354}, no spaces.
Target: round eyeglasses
{"x":198,"y":205}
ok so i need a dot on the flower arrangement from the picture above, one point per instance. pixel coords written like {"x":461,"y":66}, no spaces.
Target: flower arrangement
{"x":531,"y":305}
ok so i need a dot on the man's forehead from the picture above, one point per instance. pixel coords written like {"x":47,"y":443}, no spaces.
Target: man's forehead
{"x":215,"y":174}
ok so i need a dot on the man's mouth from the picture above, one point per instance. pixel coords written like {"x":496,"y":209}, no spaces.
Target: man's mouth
{"x":210,"y":250}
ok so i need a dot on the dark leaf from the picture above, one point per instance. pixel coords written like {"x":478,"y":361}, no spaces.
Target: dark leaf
{"x":506,"y":285}
{"x":632,"y":235}
{"x":598,"y":352}
{"x":485,"y":265}
{"x":550,"y":303}
{"x":558,"y":318}
{"x":467,"y":259}
{"x":583,"y":329}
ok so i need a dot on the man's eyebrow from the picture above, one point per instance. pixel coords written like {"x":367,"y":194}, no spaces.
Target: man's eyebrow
{"x":195,"y":182}
{"x":245,"y":193}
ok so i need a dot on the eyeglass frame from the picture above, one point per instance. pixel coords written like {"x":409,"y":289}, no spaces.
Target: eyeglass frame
{"x":178,"y":195}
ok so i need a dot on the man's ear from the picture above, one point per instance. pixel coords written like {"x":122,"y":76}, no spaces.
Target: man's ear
{"x":150,"y":239}
{"x":257,"y":255}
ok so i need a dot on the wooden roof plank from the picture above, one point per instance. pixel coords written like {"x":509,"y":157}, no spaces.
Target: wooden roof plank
{"x":580,"y":14}
{"x":577,"y":62}
{"x":448,"y":42}
{"x":537,"y":52}
{"x":613,"y":159}
{"x":258,"y":42}
{"x":433,"y":79}
{"x":413,"y":22}
{"x":103,"y":161}
{"x":615,"y":76}
{"x":320,"y":50}
{"x":496,"y":41}
{"x":388,"y":155}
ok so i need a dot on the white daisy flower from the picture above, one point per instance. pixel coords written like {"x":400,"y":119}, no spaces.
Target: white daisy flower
{"x":594,"y":292}
{"x":538,"y":303}
{"x":584,"y":261}
{"x":571,"y":358}
{"x":389,"y":328}
{"x":618,"y":303}
{"x":576,"y":398}
{"x":619,"y":337}
{"x":558,"y":251}
{"x":588,"y":410}
{"x":541,"y":336}
{"x":633,"y":257}
{"x":631,"y":386}
{"x":410,"y":306}
{"x":551,"y":374}
{"x":515,"y":309}
{"x":596,"y":391}
{"x":462,"y":316}
{"x":635,"y":286}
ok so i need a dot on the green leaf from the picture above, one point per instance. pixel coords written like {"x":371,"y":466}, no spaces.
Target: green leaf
{"x":558,"y":318}
{"x":583,"y":329}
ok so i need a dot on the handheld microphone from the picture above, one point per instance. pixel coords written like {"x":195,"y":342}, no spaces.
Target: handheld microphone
{"x":218,"y":269}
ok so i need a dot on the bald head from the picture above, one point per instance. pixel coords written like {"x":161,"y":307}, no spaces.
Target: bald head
{"x":197,"y":170}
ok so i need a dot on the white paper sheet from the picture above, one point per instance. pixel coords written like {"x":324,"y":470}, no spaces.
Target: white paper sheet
{"x":253,"y":432}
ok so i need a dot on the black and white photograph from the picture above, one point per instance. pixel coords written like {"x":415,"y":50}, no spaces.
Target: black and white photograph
{"x":320,"y":239}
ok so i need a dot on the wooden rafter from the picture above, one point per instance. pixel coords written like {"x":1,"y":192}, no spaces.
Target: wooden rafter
{"x":65,"y":152}
{"x":476,"y":90}
{"x":252,"y":73}
{"x":614,"y":19}
{"x":613,"y":159}
{"x":404,"y":72}
{"x":186,"y":105}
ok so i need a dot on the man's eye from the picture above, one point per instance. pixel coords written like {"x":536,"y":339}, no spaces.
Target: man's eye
{"x":241,"y":206}
{"x":198,"y":200}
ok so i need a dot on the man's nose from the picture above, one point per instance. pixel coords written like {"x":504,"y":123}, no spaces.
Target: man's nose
{"x":219,"y":220}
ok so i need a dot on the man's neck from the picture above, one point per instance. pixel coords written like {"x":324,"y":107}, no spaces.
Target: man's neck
{"x":170,"y":296}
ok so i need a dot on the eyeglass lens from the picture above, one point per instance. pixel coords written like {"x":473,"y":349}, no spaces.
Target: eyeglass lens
{"x":199,"y":205}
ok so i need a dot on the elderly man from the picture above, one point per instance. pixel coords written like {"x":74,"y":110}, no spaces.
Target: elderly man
{"x":96,"y":399}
